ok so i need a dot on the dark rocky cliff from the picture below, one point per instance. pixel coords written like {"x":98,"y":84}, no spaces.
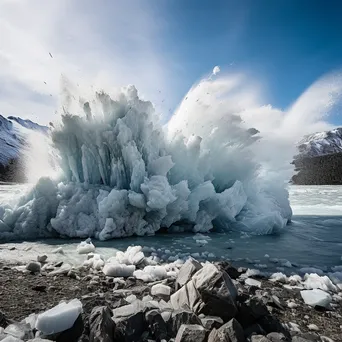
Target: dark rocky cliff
{"x":319,"y":170}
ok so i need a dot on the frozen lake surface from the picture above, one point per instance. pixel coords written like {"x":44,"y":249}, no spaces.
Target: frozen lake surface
{"x":314,"y":238}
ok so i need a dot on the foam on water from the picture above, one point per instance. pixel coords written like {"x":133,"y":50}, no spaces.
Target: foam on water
{"x":124,"y":174}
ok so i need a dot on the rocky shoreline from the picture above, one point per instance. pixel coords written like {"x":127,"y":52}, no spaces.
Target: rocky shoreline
{"x":133,"y":297}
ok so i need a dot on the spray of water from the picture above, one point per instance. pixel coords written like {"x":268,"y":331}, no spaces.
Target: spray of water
{"x":222,"y":162}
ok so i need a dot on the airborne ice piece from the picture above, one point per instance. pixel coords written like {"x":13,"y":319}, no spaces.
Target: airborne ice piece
{"x":59,"y":318}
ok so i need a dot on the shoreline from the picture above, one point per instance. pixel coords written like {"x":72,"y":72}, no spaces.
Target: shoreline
{"x":97,"y":282}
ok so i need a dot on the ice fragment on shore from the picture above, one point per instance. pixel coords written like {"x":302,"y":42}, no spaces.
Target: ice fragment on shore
{"x":316,"y":297}
{"x":117,"y":270}
{"x":279,"y":277}
{"x":59,"y":318}
{"x":314,"y":281}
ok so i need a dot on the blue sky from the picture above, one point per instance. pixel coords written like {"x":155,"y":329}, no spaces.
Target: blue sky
{"x":163,"y":47}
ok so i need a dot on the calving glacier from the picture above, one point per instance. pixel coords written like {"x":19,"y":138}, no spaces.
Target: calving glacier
{"x":125,"y":174}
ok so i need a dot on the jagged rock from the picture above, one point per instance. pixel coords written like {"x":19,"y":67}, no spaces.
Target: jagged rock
{"x":217,"y":291}
{"x":276,"y":337}
{"x":130,"y":328}
{"x":233,"y":330}
{"x":156,"y":325}
{"x":22,"y":331}
{"x":211,"y":322}
{"x":38,"y":339}
{"x":186,"y":297}
{"x":300,"y":339}
{"x":189,"y":268}
{"x":229,"y":269}
{"x":33,"y":267}
{"x":191,"y":333}
{"x":181,"y":317}
{"x":101,"y":325}
{"x":42,"y":258}
{"x":250,"y":311}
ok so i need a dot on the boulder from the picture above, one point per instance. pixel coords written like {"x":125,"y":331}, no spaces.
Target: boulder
{"x":180,"y":317}
{"x":156,"y":325}
{"x":230,"y":332}
{"x":101,"y":325}
{"x":33,"y":267}
{"x":42,"y":258}
{"x":189,"y":268}
{"x":186,"y":297}
{"x":191,"y":333}
{"x":250,"y":311}
{"x":217,"y":292}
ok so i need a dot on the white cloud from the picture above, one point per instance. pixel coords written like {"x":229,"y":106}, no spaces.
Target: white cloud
{"x":103,"y":46}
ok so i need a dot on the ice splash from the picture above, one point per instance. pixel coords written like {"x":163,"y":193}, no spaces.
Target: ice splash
{"x":126,"y":175}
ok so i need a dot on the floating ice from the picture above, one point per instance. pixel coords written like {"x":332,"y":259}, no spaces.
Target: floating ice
{"x":59,"y":318}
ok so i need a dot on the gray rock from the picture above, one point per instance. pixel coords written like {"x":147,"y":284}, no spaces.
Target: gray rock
{"x":191,"y":333}
{"x":22,"y":331}
{"x":189,"y":268}
{"x":101,"y":325}
{"x":276,"y":337}
{"x":217,"y":291}
{"x":250,"y":311}
{"x":211,"y":322}
{"x":156,"y":325}
{"x":180,"y":317}
{"x":186,"y":297}
{"x":254,"y":329}
{"x":300,"y":339}
{"x":233,"y":330}
{"x":38,"y":339}
{"x":42,"y":258}
{"x":33,"y":267}
{"x":131,"y":328}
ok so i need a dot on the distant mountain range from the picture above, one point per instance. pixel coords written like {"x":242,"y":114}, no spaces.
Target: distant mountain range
{"x":13,"y":131}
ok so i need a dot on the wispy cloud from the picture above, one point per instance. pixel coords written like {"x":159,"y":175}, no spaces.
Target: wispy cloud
{"x":107,"y":45}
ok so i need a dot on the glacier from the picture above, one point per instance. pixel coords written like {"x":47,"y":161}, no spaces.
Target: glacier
{"x":125,"y":174}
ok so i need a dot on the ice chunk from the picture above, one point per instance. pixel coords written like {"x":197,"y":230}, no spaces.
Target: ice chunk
{"x":160,"y":290}
{"x":132,"y":256}
{"x":59,"y":318}
{"x":252,"y":282}
{"x":279,"y":277}
{"x":85,"y":247}
{"x":316,"y":297}
{"x":314,"y":281}
{"x":117,"y":270}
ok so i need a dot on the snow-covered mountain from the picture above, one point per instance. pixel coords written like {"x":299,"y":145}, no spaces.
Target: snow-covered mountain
{"x":322,"y":143}
{"x":13,"y":132}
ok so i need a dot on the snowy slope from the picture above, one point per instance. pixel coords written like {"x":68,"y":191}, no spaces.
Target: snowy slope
{"x":322,"y":143}
{"x":12,"y":136}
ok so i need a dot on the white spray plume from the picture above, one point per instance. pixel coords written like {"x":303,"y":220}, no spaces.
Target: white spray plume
{"x":222,"y":162}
